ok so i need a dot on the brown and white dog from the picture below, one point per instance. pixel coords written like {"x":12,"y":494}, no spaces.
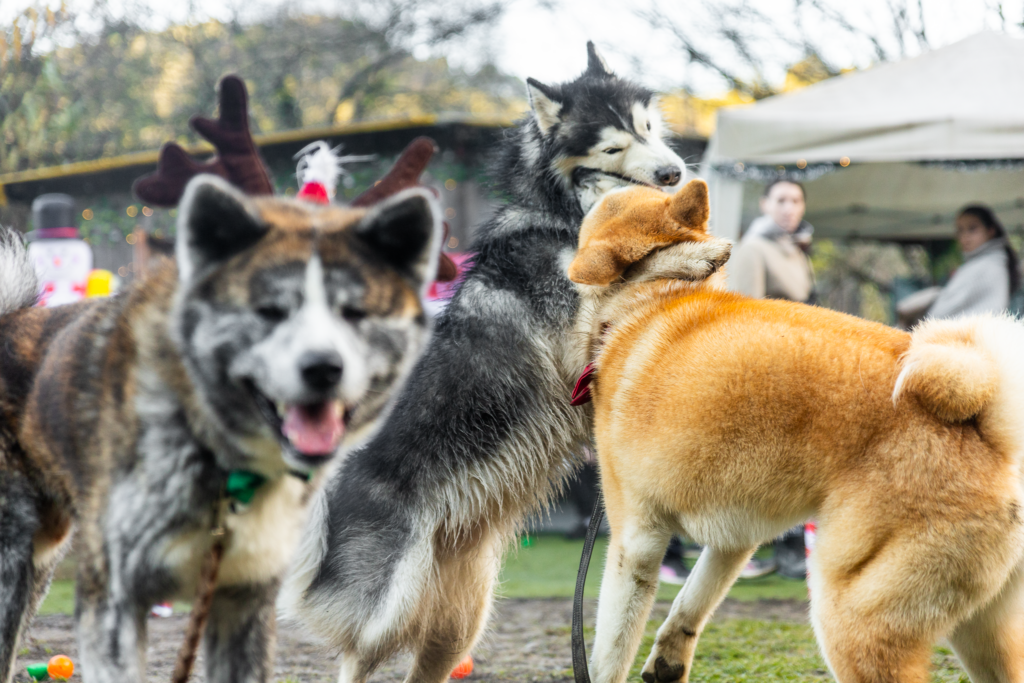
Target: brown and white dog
{"x":271,"y":342}
{"x":730,"y":419}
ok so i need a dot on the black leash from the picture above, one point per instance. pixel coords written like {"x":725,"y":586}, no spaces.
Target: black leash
{"x":579,"y":648}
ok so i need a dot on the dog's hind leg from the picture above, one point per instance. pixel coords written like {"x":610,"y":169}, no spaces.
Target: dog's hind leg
{"x":627,"y":593}
{"x":353,"y":669}
{"x":871,"y":625}
{"x":863,"y":649}
{"x":715,"y":572}
{"x":990,"y":643}
{"x":461,"y":606}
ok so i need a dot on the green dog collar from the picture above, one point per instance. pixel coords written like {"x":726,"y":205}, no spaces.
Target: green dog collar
{"x":242,"y":485}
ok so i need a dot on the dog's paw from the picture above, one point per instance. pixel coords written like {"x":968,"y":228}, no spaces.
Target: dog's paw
{"x":663,"y":672}
{"x":704,"y":269}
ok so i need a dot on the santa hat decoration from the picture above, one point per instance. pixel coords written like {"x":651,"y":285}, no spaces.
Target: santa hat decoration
{"x":319,"y":169}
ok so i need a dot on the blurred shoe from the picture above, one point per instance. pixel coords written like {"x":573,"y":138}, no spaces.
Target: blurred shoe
{"x":674,"y":572}
{"x":791,"y":554}
{"x":759,"y":567}
{"x":163,"y":610}
{"x":793,"y":567}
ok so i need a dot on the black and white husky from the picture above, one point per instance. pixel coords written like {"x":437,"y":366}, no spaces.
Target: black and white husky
{"x":406,"y":541}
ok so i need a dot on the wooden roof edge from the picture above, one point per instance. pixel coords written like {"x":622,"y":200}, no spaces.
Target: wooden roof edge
{"x":150,"y":156}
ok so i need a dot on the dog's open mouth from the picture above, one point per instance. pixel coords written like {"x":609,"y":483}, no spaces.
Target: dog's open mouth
{"x":312,"y":430}
{"x":580,"y":173}
{"x":634,"y":181}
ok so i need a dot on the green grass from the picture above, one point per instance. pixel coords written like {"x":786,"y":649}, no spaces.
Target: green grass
{"x":735,"y":650}
{"x":747,"y":650}
{"x":544,"y":569}
{"x":547,"y":569}
{"x":741,"y":650}
{"x":60,"y":599}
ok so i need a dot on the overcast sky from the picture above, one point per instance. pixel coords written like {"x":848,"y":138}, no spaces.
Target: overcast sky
{"x":549,"y":45}
{"x":546,"y":38}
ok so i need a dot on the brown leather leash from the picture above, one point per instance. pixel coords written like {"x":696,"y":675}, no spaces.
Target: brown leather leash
{"x":580,"y":671}
{"x":204,"y":598}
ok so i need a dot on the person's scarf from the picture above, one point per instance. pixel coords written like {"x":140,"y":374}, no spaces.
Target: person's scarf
{"x":764,"y":226}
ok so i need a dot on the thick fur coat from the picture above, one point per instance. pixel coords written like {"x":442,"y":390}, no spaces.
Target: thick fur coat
{"x":406,"y":542}
{"x":280,"y":328}
{"x":730,"y":419}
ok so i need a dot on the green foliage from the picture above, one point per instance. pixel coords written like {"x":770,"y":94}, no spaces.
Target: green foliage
{"x":67,"y":93}
{"x":83,"y":101}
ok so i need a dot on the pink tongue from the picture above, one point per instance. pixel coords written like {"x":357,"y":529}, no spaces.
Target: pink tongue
{"x":314,"y":430}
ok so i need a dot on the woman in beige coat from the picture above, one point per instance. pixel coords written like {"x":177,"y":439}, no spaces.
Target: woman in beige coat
{"x":771,"y":259}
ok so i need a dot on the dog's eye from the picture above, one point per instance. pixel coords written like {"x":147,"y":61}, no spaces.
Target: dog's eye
{"x":352,"y":315}
{"x":272,"y":313}
{"x":648,"y":125}
{"x":613,"y":150}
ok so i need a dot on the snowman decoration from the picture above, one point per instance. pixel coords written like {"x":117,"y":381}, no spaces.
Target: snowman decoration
{"x":62,"y":261}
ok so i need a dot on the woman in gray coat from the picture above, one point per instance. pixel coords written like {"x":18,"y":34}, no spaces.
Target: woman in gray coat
{"x":990,"y":273}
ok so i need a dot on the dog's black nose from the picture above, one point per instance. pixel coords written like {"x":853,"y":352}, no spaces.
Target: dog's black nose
{"x":667,"y":175}
{"x":321,"y":371}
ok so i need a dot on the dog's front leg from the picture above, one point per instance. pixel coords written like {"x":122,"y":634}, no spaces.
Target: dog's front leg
{"x":111,"y":636}
{"x":22,"y":580}
{"x":17,"y":580}
{"x":627,"y":593}
{"x":240,"y":635}
{"x":712,"y":576}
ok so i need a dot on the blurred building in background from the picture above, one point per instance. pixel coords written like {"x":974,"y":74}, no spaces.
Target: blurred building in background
{"x":112,"y":221}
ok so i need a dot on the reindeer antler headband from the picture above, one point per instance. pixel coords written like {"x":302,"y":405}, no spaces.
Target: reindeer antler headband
{"x":238,"y":161}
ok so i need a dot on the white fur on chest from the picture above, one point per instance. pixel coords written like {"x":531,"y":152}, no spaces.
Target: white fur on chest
{"x":261,"y":540}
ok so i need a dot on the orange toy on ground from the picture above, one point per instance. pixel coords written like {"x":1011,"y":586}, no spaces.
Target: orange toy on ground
{"x":464,"y":668}
{"x":60,"y":667}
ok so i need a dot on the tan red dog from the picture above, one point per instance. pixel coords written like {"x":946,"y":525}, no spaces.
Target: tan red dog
{"x":730,"y":419}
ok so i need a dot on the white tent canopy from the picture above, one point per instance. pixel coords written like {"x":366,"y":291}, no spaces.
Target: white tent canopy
{"x":922,"y":138}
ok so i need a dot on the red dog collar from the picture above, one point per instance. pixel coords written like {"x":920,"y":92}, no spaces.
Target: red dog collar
{"x":581,"y":392}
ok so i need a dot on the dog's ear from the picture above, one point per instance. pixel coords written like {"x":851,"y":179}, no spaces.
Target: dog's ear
{"x":405,"y":231}
{"x":690,"y":206}
{"x":215,"y":222}
{"x":596,"y":64}
{"x":546,"y":103}
{"x":596,"y":264}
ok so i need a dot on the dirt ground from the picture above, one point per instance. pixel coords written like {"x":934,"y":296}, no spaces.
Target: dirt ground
{"x":528,"y":641}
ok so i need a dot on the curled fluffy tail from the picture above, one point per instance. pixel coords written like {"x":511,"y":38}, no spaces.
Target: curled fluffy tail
{"x":18,"y":283}
{"x":969,"y":368}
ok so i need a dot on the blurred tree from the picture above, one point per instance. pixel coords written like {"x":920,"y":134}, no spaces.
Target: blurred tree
{"x":97,"y":83}
{"x":30,"y":88}
{"x":745,"y":46}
